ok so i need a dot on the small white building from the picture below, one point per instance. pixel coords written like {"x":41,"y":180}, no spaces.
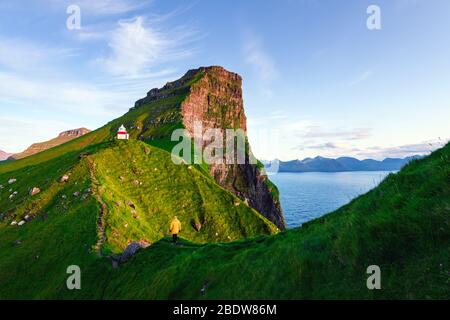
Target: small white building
{"x":122,"y":133}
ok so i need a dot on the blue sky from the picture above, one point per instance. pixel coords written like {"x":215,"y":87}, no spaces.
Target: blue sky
{"x":317,"y":81}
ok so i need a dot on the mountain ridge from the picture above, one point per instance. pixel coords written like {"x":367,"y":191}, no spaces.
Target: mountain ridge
{"x":38,"y":147}
{"x":218,"y":212}
{"x":341,"y":164}
{"x":4,"y":155}
{"x":98,"y":196}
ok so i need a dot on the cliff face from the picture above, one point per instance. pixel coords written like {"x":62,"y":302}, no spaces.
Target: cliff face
{"x":4,"y":155}
{"x":213,"y":97}
{"x":216,"y":101}
{"x":63,"y":137}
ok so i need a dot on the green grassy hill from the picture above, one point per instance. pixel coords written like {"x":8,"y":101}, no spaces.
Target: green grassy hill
{"x":136,"y":189}
{"x":127,"y":191}
{"x":403,"y":226}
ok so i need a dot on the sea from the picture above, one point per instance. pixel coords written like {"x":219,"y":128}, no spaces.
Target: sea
{"x":310,"y":195}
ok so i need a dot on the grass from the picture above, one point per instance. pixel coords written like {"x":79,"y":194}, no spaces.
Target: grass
{"x":403,"y":226}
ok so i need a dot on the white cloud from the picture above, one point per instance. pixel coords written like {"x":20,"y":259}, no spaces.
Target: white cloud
{"x":102,"y":7}
{"x":361,"y":78}
{"x":402,"y":151}
{"x":316,"y":131}
{"x":16,"y":134}
{"x":137,"y":47}
{"x":21,"y":55}
{"x":58,"y":95}
{"x":259,"y":59}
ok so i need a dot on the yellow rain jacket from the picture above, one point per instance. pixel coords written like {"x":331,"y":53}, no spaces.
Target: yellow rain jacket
{"x":175,"y":226}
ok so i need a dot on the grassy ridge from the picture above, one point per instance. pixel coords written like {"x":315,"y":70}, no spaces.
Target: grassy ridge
{"x":34,"y":257}
{"x":403,"y":226}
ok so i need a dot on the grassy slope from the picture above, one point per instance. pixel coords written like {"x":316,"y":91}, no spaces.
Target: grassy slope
{"x":64,"y":230}
{"x":403,"y":226}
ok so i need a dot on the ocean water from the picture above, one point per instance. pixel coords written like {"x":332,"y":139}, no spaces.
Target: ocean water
{"x":306,"y":196}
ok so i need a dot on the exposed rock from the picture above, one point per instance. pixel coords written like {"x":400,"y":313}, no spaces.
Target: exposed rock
{"x":131,"y":250}
{"x":204,"y":287}
{"x":34,"y":191}
{"x":63,"y":137}
{"x":17,"y":243}
{"x":64,"y":178}
{"x":197,"y":226}
{"x":131,"y":204}
{"x":214,"y":99}
{"x":4,"y":155}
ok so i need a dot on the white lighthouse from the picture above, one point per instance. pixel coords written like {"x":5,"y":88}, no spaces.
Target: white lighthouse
{"x":122,"y":133}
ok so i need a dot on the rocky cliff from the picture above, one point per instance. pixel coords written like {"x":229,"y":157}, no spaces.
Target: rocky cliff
{"x":4,"y":155}
{"x":63,"y":137}
{"x":213,"y":97}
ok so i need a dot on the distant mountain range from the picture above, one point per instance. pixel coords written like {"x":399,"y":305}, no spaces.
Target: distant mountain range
{"x":63,"y":137}
{"x":4,"y":155}
{"x":342,"y":164}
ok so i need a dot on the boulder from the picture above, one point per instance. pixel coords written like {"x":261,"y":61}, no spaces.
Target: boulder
{"x":147,"y":150}
{"x":14,"y":223}
{"x":34,"y":191}
{"x":11,"y":181}
{"x":17,"y":243}
{"x":21,"y":223}
{"x":131,"y":204}
{"x":64,"y":178}
{"x":197,"y":226}
{"x":76,"y":194}
{"x":131,"y":251}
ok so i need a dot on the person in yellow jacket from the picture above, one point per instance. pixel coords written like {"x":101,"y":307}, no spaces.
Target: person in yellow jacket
{"x":175,"y":228}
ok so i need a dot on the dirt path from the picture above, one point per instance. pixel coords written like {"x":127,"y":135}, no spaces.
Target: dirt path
{"x":103,"y":208}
